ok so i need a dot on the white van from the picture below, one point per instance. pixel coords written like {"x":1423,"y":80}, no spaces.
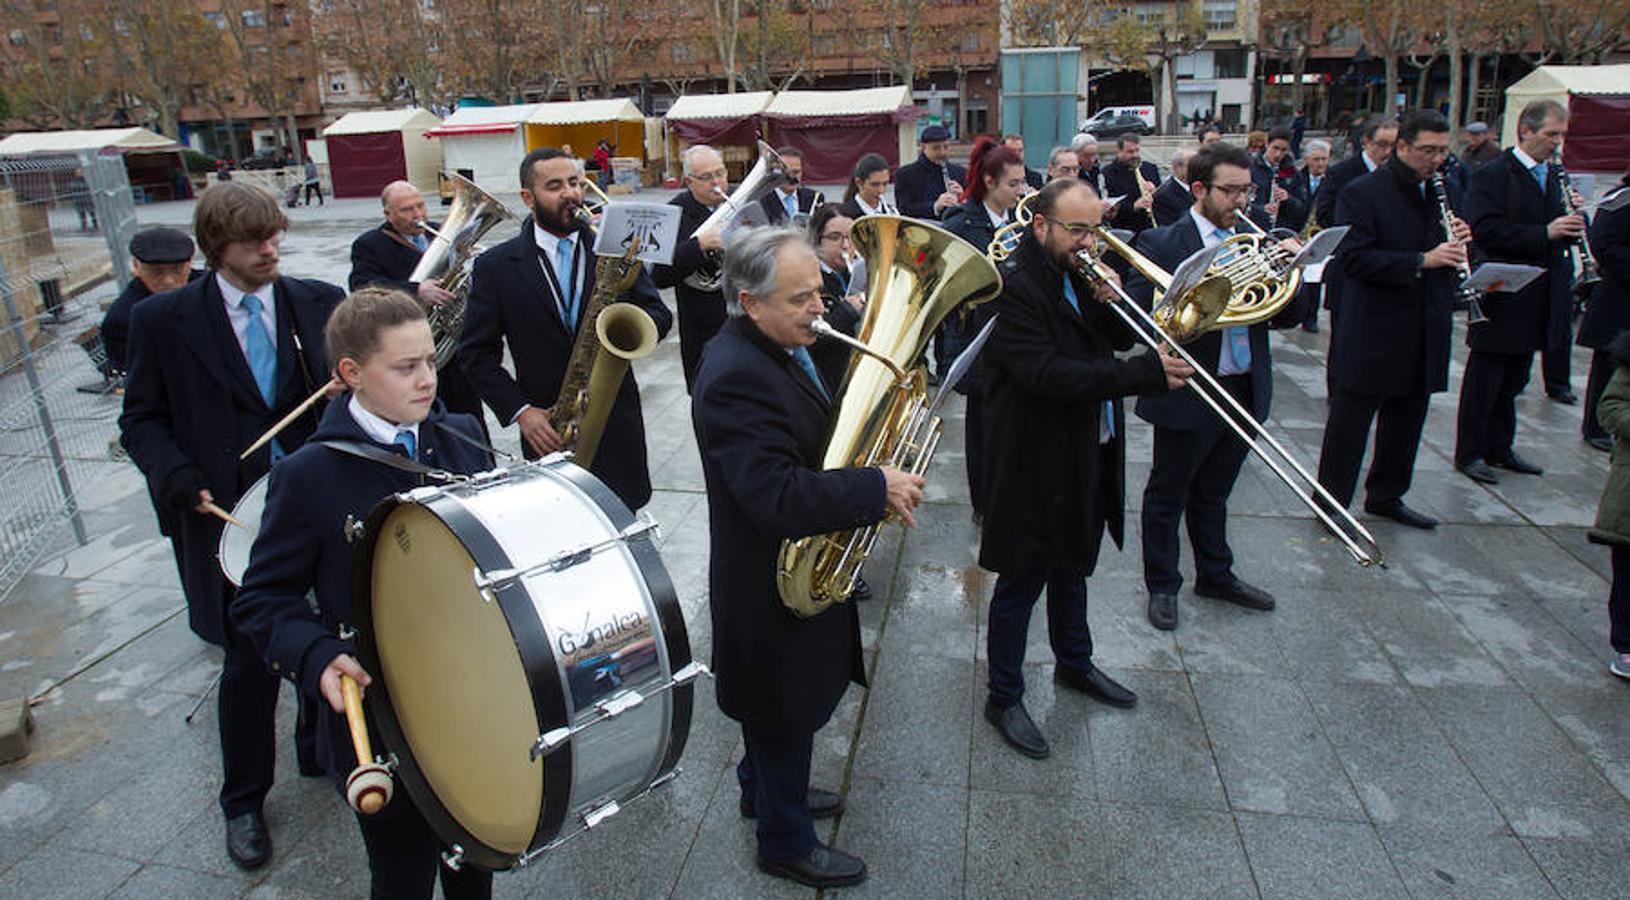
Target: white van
{"x":1115,"y":119}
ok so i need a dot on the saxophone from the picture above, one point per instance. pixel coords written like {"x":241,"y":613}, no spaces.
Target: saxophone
{"x":610,"y":335}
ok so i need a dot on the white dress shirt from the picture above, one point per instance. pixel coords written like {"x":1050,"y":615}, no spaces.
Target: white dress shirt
{"x":882,"y":208}
{"x":239,"y":317}
{"x":550,"y":245}
{"x":997,"y":220}
{"x":377,"y":428}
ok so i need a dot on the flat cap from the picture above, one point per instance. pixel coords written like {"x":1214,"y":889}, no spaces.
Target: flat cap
{"x":934,"y":133}
{"x":161,"y":245}
{"x":1477,"y":128}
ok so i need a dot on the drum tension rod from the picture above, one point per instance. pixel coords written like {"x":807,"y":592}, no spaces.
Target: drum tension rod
{"x":612,"y":707}
{"x":595,"y":816}
{"x":488,"y":583}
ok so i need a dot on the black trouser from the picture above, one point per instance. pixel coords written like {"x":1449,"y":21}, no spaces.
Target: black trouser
{"x":973,"y":443}
{"x":1601,"y":372}
{"x":1010,"y":605}
{"x":314,"y":188}
{"x":699,"y":321}
{"x":404,"y":857}
{"x":774,"y":771}
{"x":248,"y":723}
{"x":1618,"y":601}
{"x":1314,"y":298}
{"x":1192,"y":476}
{"x":1556,"y":364}
{"x":1399,"y":420}
{"x":1487,"y":423}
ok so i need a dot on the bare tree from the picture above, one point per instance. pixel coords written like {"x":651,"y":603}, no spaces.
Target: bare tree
{"x":58,"y":68}
{"x":1046,"y":23}
{"x":1180,"y":31}
{"x":1391,"y":29}
{"x":394,"y":47}
{"x":274,"y":64}
{"x":166,"y":49}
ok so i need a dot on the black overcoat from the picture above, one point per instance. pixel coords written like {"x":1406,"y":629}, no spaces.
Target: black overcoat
{"x":512,"y":300}
{"x":1509,"y":215}
{"x":380,"y":256}
{"x":1336,"y":179}
{"x":1608,"y":311}
{"x":970,"y":222}
{"x":808,"y":200}
{"x":1051,"y":488}
{"x":700,"y":312}
{"x":1172,"y":200}
{"x":761,"y":427}
{"x":191,"y":406}
{"x":1396,"y":318}
{"x":919,"y":183}
{"x":1120,"y":182}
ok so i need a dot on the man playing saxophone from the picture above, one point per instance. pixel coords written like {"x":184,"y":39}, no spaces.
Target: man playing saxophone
{"x":761,"y":414}
{"x":530,"y":291}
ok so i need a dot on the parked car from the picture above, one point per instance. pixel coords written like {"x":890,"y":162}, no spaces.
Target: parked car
{"x":264,"y":158}
{"x":1115,"y":126}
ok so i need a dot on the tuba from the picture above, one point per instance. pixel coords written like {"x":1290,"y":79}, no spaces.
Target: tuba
{"x":769,"y":173}
{"x":882,"y":414}
{"x":610,"y":336}
{"x":450,"y":255}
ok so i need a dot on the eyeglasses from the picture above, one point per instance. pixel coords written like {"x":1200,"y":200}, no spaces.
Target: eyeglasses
{"x":1230,"y":190}
{"x":1076,"y":229}
{"x":1068,"y":170}
{"x":715,"y":175}
{"x":836,"y":237}
{"x":1430,"y":149}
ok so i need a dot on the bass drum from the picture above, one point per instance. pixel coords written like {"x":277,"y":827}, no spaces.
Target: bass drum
{"x":530,"y":661}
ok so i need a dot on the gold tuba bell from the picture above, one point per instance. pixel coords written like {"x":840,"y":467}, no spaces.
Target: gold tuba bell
{"x":474,"y":212}
{"x":918,"y":275}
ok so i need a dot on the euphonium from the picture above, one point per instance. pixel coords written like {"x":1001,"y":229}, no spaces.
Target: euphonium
{"x":882,"y":415}
{"x":769,"y":173}
{"x":450,"y":256}
{"x":610,"y":335}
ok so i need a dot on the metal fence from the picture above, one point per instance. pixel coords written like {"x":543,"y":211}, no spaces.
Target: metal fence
{"x":65,"y":224}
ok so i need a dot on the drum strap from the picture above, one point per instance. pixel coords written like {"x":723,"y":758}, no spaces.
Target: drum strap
{"x":387,"y":458}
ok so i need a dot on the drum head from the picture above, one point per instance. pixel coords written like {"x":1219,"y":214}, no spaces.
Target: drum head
{"x":233,"y":550}
{"x":454,"y":679}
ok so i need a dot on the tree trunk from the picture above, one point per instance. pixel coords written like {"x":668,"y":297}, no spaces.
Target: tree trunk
{"x":1456,"y":108}
{"x":294,"y":139}
{"x":1298,"y":69}
{"x":1388,"y":103}
{"x":1422,"y":82}
{"x":1474,"y":71}
{"x":1157,"y":80}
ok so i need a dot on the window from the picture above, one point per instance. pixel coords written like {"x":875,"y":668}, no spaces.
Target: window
{"x":252,"y":18}
{"x":18,"y":39}
{"x":970,"y":42}
{"x":218,"y":19}
{"x":281,"y":16}
{"x":1231,"y":63}
{"x":680,"y":52}
{"x":822,"y":5}
{"x":1220,"y":15}
{"x":825,"y":45}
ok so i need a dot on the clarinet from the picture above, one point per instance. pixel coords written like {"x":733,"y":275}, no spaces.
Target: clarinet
{"x":1589,"y":274}
{"x":1463,"y":271}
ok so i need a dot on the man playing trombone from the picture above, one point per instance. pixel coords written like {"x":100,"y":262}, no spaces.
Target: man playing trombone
{"x":694,"y":273}
{"x":1392,"y":352}
{"x":1196,"y":456}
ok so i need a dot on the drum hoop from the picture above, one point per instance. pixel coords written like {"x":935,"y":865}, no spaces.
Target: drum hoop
{"x":543,"y":682}
{"x":220,"y":542}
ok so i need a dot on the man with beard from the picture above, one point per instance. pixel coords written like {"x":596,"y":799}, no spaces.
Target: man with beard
{"x":533,"y":291}
{"x":213,"y":365}
{"x":694,"y":272}
{"x":1126,"y":177}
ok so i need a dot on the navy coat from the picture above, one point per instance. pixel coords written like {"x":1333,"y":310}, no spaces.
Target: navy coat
{"x":302,"y":548}
{"x":1396,"y":318}
{"x":700,"y":312}
{"x":761,"y":427}
{"x":115,"y":330}
{"x":1183,"y":410}
{"x":1292,"y":210}
{"x":191,"y":406}
{"x":1051,"y":489}
{"x":1172,"y":200}
{"x":1120,"y":182}
{"x":972,"y":223}
{"x":1608,"y":311}
{"x":379,"y":256}
{"x":831,"y":358}
{"x":1336,"y":179}
{"x":808,"y":200}
{"x":512,"y":299}
{"x":918,"y":184}
{"x":1509,"y":215}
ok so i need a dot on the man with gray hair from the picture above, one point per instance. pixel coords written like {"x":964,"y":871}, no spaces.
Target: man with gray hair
{"x":694,"y":272}
{"x":1173,"y":198}
{"x":1062,"y":163}
{"x":761,"y":415}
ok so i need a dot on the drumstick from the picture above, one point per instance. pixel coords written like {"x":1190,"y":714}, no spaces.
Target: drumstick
{"x":294,"y":414}
{"x":368,"y":787}
{"x":223,"y":515}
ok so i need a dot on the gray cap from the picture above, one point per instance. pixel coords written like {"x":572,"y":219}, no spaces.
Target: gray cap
{"x":934,"y":134}
{"x":161,"y":245}
{"x":1477,"y":128}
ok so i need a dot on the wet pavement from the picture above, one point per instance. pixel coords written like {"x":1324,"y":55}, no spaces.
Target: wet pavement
{"x":1443,"y":726}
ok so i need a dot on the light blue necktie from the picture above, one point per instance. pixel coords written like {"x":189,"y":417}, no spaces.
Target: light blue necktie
{"x":1236,"y":356}
{"x":801,"y":354}
{"x":568,"y":284}
{"x":260,"y":349}
{"x":406,"y":441}
{"x":420,"y":242}
{"x":1539,"y":174}
{"x":790,"y":201}
{"x":1106,"y":422}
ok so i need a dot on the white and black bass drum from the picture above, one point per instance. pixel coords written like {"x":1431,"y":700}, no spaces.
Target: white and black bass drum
{"x":531,"y":667}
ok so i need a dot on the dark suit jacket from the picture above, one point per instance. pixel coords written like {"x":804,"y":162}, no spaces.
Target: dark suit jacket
{"x":1336,"y":179}
{"x":972,"y":223}
{"x":512,"y":299}
{"x":1608,"y":310}
{"x":191,"y":406}
{"x":1509,"y":214}
{"x":917,"y":185}
{"x":1051,"y":489}
{"x":831,"y":357}
{"x":303,"y":548}
{"x":1292,"y":210}
{"x":1304,"y":183}
{"x":761,"y":427}
{"x":1396,"y":318}
{"x":1120,"y":182}
{"x":700,"y":312}
{"x":115,"y":330}
{"x":1033,"y":178}
{"x":1182,"y":410}
{"x":1172,"y":201}
{"x":377,"y":257}
{"x":808,"y":199}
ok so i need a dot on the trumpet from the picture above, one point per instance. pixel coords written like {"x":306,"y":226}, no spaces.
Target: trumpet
{"x":1463,"y":271}
{"x":1333,"y":515}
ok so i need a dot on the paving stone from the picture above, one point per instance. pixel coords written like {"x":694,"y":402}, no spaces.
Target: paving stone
{"x":155,"y":882}
{"x":1582,"y":868}
{"x":1162,"y":851}
{"x":880,"y":814}
{"x":51,"y":872}
{"x":1439,"y":861}
{"x":1426,"y":642}
{"x":1062,"y":715}
{"x":1297,"y":857}
{"x":1317,"y":638}
{"x":927,"y":698}
{"x":1527,"y":641}
{"x":722,"y":854}
{"x":1158,"y":752}
{"x":1040,"y":846}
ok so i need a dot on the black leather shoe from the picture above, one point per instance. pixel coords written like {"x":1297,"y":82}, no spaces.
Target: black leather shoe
{"x":247,"y":841}
{"x":1163,"y":611}
{"x":1403,"y":515}
{"x":1604,"y":444}
{"x":824,"y":867}
{"x":1565,"y":396}
{"x":1517,"y":464}
{"x":1095,"y":684}
{"x":1017,"y":729}
{"x":1312,"y":328}
{"x":1238,"y":593}
{"x":1479,"y":471}
{"x":822,"y":805}
{"x":862,"y":591}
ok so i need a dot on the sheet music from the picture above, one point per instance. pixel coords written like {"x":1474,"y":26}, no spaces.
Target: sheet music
{"x":654,"y":225}
{"x":1503,"y":278}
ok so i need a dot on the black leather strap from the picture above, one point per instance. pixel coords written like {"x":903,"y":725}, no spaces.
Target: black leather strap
{"x":387,"y":458}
